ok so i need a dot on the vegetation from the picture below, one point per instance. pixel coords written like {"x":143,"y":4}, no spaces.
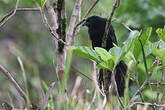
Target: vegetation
{"x":32,"y":53}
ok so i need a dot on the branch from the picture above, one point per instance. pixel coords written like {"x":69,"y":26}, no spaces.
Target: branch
{"x":115,"y":87}
{"x":82,"y":73}
{"x":48,"y":93}
{"x":140,"y":89}
{"x":86,"y":14}
{"x":51,"y":29}
{"x":61,"y":20}
{"x":75,"y":13}
{"x":9,"y":15}
{"x":93,"y":100}
{"x":76,"y":87}
{"x":28,"y":9}
{"x":147,"y":103}
{"x":115,"y":5}
{"x":158,"y":88}
{"x":16,"y":85}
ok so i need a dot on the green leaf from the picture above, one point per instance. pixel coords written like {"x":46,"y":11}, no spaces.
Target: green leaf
{"x":151,"y":48}
{"x":161,"y":33}
{"x":109,"y":64}
{"x":103,"y":54}
{"x":45,"y":85}
{"x":125,"y":49}
{"x":86,"y":52}
{"x":152,"y":94}
{"x":115,"y":51}
{"x":66,"y":72}
{"x":143,"y":38}
{"x":41,"y":2}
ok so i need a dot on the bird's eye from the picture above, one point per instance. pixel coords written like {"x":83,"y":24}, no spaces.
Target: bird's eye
{"x":86,"y":23}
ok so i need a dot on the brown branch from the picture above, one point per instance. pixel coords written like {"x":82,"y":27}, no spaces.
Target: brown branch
{"x":76,"y":86}
{"x":12,"y":13}
{"x":48,"y":93}
{"x":140,"y":89}
{"x":58,"y":25}
{"x":28,"y":9}
{"x":9,"y":15}
{"x":115,"y":87}
{"x":115,"y":5}
{"x":105,"y":72}
{"x":162,"y":84}
{"x":147,"y":103}
{"x":158,"y":88}
{"x":93,"y":100}
{"x":82,"y":73}
{"x":75,"y":13}
{"x":16,"y":85}
{"x":61,"y":20}
{"x":45,"y":21}
{"x":163,"y":97}
{"x":86,"y":14}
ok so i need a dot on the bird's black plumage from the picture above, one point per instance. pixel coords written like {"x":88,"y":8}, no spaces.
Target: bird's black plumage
{"x":96,"y":27}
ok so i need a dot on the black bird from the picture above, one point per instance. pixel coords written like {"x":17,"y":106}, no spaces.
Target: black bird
{"x":96,"y":27}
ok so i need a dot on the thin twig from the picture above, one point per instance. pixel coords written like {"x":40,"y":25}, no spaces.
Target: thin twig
{"x":84,"y":17}
{"x":147,"y":103}
{"x":103,"y":45}
{"x":115,"y":5}
{"x":139,"y":90}
{"x":114,"y":81}
{"x":93,"y":100}
{"x":163,"y":97}
{"x":9,"y":15}
{"x":48,"y":93}
{"x":25,"y":79}
{"x":125,"y":25}
{"x":158,"y":88}
{"x":76,"y":86}
{"x":4,"y":19}
{"x":82,"y":73}
{"x":16,"y":85}
{"x":75,"y":13}
{"x":28,"y":9}
{"x":45,"y":21}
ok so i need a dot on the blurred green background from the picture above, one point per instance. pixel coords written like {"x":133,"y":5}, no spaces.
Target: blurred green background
{"x":25,"y":35}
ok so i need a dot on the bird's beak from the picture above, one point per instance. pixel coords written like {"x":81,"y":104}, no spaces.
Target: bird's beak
{"x":85,"y":23}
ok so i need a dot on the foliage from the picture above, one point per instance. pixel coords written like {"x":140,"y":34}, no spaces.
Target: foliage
{"x":25,"y":36}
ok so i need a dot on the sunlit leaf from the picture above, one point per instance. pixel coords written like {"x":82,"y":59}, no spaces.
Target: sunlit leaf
{"x":41,"y":2}
{"x":161,"y":33}
{"x":137,"y":47}
{"x":109,"y":64}
{"x":104,"y":55}
{"x":86,"y":52}
{"x":125,"y":49}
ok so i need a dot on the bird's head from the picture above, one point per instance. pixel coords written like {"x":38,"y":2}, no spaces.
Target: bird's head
{"x":94,"y":21}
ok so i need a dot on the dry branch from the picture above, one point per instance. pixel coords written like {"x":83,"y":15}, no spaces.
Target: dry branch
{"x":9,"y":15}
{"x":147,"y":103}
{"x":115,"y":5}
{"x":139,"y":90}
{"x":48,"y":93}
{"x":86,"y":14}
{"x":16,"y":85}
{"x":45,"y":21}
{"x":58,"y":28}
{"x":75,"y":13}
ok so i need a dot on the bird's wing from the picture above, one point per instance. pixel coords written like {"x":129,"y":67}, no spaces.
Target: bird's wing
{"x":112,"y":35}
